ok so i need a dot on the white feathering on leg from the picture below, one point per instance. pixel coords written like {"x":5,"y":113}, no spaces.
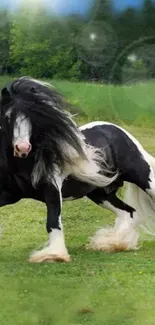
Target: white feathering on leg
{"x":55,"y":251}
{"x":122,"y":237}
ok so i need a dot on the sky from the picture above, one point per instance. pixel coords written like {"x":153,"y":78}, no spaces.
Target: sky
{"x":73,"y":6}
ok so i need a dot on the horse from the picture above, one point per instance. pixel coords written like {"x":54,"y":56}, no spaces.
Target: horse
{"x":58,"y":167}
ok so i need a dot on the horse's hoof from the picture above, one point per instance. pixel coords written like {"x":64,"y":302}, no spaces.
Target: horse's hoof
{"x":39,"y":257}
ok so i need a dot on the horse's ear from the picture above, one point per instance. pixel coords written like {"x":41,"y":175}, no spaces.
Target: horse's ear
{"x":5,"y":95}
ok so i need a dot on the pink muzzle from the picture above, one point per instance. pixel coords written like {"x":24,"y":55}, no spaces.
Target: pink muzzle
{"x":22,"y":149}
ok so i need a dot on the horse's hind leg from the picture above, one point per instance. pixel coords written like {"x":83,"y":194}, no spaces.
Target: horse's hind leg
{"x":124,"y":235}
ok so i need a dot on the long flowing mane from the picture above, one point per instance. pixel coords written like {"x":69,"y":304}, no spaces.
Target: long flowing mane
{"x":56,"y":139}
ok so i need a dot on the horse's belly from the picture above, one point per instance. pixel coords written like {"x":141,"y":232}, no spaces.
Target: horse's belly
{"x":73,"y":189}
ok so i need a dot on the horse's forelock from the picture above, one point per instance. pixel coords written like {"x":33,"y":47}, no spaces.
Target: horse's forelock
{"x":36,"y":100}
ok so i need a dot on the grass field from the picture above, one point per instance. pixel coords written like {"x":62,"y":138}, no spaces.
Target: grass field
{"x":95,"y":288}
{"x":132,"y":105}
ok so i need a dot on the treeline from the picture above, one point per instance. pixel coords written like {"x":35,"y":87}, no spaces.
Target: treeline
{"x":93,"y":47}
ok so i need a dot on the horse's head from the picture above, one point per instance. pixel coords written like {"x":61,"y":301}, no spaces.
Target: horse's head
{"x":27,"y":105}
{"x":19,"y":129}
{"x":15,"y":105}
{"x":37,"y":119}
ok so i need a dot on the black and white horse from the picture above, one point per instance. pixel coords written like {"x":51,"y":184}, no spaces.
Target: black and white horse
{"x":64,"y":162}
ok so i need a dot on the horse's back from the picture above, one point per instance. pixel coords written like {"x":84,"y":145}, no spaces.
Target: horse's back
{"x":121,"y":149}
{"x":111,"y":138}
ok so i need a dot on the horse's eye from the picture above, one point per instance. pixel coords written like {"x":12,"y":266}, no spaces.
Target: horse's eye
{"x":33,"y":90}
{"x":7,"y":118}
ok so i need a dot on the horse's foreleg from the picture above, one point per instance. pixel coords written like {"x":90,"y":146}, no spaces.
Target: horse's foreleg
{"x":124,"y":235}
{"x":56,"y":249}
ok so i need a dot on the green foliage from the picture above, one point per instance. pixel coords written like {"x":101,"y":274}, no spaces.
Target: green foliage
{"x":96,"y":47}
{"x":42,"y":46}
{"x":4,"y":41}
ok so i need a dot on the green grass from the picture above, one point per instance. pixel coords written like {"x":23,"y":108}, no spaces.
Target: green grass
{"x":129,"y":104}
{"x":132,"y":105}
{"x":95,"y":288}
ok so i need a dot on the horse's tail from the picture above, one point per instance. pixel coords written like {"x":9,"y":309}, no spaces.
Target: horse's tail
{"x":143,"y":203}
{"x":94,"y":169}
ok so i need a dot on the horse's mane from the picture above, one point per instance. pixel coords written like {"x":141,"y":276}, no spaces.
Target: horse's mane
{"x":54,"y":133}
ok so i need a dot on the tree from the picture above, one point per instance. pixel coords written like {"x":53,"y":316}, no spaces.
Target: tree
{"x":148,"y":18}
{"x":98,"y":41}
{"x":43,"y":46}
{"x":4,"y":41}
{"x":91,"y":47}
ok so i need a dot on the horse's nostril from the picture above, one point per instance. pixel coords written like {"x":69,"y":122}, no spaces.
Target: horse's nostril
{"x":16,"y":147}
{"x":24,"y":155}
